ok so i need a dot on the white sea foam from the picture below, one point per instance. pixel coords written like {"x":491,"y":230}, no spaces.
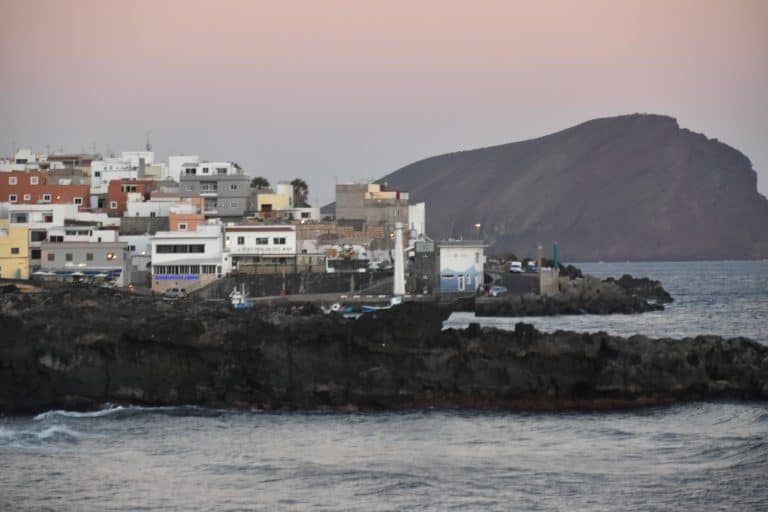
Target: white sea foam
{"x":58,"y":430}
{"x":75,"y":414}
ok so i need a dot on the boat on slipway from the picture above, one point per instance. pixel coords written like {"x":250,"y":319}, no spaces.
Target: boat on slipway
{"x":239,"y":298}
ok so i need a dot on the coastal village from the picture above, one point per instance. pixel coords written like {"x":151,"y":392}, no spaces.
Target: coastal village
{"x":179,"y":226}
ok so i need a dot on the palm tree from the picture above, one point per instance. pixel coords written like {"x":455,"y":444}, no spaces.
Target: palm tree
{"x":259,"y":182}
{"x":300,"y":192}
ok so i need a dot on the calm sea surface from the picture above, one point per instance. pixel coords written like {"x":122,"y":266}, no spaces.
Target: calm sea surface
{"x":728,"y":298}
{"x":701,"y":456}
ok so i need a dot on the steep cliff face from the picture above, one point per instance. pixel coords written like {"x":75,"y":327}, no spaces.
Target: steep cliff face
{"x":629,"y":187}
{"x":79,"y":349}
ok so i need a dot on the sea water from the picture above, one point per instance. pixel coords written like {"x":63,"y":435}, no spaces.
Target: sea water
{"x":697,"y":456}
{"x":726,"y":298}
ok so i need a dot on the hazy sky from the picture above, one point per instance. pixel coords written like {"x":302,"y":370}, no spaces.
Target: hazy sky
{"x":354,"y":90}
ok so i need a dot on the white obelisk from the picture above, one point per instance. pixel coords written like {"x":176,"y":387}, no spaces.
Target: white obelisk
{"x":398,"y":287}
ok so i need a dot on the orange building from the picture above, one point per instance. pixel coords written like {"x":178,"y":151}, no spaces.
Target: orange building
{"x":188,"y":215}
{"x":36,"y":187}
{"x":118,"y":190}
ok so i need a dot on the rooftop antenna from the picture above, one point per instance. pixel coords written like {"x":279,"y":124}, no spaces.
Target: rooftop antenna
{"x":148,"y":145}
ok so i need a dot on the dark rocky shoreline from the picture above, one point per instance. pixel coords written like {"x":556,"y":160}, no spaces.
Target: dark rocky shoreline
{"x":581,"y":295}
{"x":77,"y":348}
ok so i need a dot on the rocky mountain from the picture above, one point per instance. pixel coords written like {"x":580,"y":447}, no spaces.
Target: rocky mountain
{"x":633,"y":187}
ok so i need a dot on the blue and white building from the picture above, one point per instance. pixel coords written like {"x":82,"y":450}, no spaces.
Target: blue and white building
{"x":189,"y":259}
{"x":461,"y":265}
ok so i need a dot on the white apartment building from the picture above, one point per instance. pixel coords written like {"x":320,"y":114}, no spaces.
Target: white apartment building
{"x":155,"y":207}
{"x":176,"y":164}
{"x":261,"y":245}
{"x":41,"y":219}
{"x":189,"y":259}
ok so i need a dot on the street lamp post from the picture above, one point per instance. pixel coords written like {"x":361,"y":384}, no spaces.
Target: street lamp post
{"x":477,"y":230}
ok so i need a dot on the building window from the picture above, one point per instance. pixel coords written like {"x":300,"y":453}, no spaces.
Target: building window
{"x":304,"y":215}
{"x":78,"y":200}
{"x":89,"y":256}
{"x":35,"y":254}
{"x":33,"y":180}
{"x":205,"y":170}
{"x":57,"y":239}
{"x":182,"y":226}
{"x":241,"y":240}
{"x":151,"y":214}
{"x":51,"y":256}
{"x":278,"y":241}
{"x":233,"y":186}
{"x":262,"y":241}
{"x":14,"y":250}
{"x":27,"y":197}
{"x":68,"y":256}
{"x":12,"y":198}
{"x":97,"y":174}
{"x":46,"y":198}
{"x":12,"y":180}
{"x":18,"y":218}
{"x":189,"y":188}
{"x":113,"y":205}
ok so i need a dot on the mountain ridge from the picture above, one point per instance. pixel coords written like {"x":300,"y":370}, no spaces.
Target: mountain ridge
{"x":635,"y":187}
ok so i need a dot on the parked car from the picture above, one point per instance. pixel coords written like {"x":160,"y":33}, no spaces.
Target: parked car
{"x":496,"y":291}
{"x":175,"y":293}
{"x":515,"y":267}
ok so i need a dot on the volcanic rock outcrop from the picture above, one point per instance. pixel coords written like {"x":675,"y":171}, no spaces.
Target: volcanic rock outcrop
{"x":580,"y":295}
{"x":81,"y":347}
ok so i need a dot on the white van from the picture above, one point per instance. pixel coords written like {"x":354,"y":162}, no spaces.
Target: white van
{"x":515,"y":267}
{"x":176,"y":293}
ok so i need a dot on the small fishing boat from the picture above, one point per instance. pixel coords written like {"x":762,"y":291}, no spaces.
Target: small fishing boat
{"x":239,"y":298}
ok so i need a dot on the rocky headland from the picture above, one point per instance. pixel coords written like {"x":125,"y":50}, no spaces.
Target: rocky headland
{"x":581,"y":295}
{"x":78,"y":348}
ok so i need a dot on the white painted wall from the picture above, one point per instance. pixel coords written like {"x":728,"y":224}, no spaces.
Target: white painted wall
{"x":176,"y":164}
{"x":249,"y":245}
{"x":151,"y":208}
{"x":417,"y":220}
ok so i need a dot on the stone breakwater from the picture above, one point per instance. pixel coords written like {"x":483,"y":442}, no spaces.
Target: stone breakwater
{"x":79,"y":348}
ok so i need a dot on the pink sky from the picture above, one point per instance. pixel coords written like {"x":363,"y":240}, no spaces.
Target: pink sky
{"x":357,"y":89}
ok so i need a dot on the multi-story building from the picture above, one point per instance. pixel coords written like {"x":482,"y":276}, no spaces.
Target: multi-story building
{"x":177,"y":164}
{"x":270,"y":201}
{"x":224,"y":187}
{"x":371,"y":203}
{"x":14,"y":251}
{"x":35,"y":187}
{"x":39,"y":219}
{"x":186,"y":215}
{"x":106,"y":260}
{"x":262,"y":249}
{"x":371,"y":211}
{"x":189,"y":259}
{"x":118,"y":193}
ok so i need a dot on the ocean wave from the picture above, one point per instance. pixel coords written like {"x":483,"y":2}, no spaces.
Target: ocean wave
{"x":55,"y":432}
{"x":52,"y":433}
{"x":120,"y":412}
{"x":110,"y":409}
